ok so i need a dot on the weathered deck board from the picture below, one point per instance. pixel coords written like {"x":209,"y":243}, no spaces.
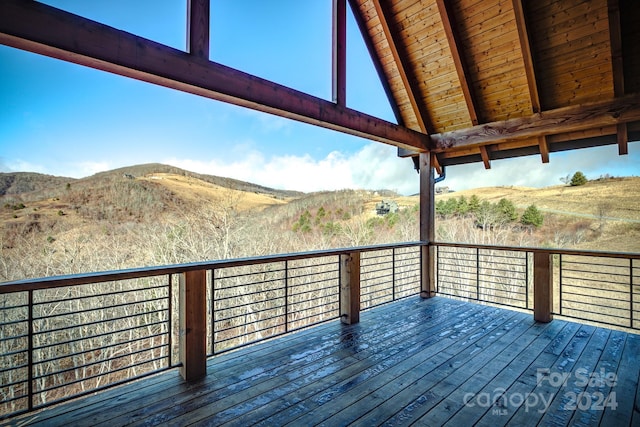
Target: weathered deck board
{"x":422,"y":362}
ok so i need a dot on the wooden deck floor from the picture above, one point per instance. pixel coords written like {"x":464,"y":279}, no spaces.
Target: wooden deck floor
{"x":422,"y":362}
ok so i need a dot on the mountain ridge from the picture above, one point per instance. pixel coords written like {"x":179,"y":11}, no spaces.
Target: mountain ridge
{"x":22,"y":183}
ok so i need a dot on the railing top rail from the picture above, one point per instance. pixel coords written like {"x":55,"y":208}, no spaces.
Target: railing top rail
{"x":608,"y":254}
{"x":134,"y":273}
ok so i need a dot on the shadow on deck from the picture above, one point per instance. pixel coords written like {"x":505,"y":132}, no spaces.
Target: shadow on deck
{"x":430,"y":362}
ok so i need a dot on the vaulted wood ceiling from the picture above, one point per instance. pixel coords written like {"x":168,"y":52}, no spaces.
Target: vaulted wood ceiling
{"x":490,"y":79}
{"x":469,"y":80}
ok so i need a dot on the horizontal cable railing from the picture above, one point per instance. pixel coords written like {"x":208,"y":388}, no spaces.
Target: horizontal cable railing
{"x":62,"y":337}
{"x":600,"y":289}
{"x":492,"y":275}
{"x":256,"y":302}
{"x":388,"y":275}
{"x":59,"y":342}
{"x":594,"y":286}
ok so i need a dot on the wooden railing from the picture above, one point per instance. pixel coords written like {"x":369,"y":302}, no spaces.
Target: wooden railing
{"x":594,"y":286}
{"x":61,"y":337}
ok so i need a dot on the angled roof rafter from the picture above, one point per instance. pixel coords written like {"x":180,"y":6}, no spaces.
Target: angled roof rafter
{"x":527,"y":57}
{"x":617,"y":65}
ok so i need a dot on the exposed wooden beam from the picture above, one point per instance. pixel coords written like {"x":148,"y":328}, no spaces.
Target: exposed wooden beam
{"x":339,"y":63}
{"x":436,"y":163}
{"x":527,"y":57}
{"x":45,"y":30}
{"x":448,"y":21}
{"x":399,"y":58}
{"x":623,"y":139}
{"x":198,"y":28}
{"x":484,"y":153}
{"x":617,"y":67}
{"x":544,"y":149}
{"x":529,"y":70}
{"x":560,"y":120}
{"x":615,"y":37}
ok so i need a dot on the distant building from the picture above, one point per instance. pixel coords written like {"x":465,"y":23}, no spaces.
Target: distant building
{"x":384,"y":207}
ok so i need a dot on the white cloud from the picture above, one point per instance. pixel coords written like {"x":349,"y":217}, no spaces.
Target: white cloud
{"x":90,"y":168}
{"x":376,"y":166}
{"x":373,"y":167}
{"x":19,"y":165}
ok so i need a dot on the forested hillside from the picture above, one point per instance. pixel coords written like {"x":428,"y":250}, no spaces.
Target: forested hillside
{"x":156,"y":214}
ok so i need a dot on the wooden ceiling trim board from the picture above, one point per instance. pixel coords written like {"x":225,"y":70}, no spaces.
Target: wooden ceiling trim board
{"x":407,"y":79}
{"x":413,"y":11}
{"x":484,"y":153}
{"x":425,"y":16}
{"x":42,"y":29}
{"x":512,"y":145}
{"x":582,"y":134}
{"x":587,"y":42}
{"x":617,"y":65}
{"x":560,"y":120}
{"x":339,"y":53}
{"x":459,"y":153}
{"x":561,"y":14}
{"x":198,"y":28}
{"x":448,"y":21}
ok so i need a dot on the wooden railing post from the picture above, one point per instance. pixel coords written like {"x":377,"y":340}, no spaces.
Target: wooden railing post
{"x":542,"y":287}
{"x":428,"y":280}
{"x":427,"y":225}
{"x":350,"y":288}
{"x":193,"y":324}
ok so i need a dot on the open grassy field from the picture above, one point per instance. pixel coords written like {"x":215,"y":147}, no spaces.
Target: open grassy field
{"x":199,"y":191}
{"x":615,"y":198}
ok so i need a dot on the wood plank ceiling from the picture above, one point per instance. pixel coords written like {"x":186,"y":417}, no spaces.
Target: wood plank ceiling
{"x":469,"y":80}
{"x":490,"y":79}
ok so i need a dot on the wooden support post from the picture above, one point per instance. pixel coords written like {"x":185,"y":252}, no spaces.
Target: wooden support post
{"x":193,"y":324}
{"x":542,"y":287}
{"x":427,"y":225}
{"x":339,"y":82}
{"x":350,"y":288}
{"x":198,"y":28}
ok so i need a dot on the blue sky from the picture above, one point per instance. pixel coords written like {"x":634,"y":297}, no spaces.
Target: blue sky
{"x":63,"y":119}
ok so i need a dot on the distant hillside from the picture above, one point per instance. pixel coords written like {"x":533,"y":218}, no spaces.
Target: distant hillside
{"x":26,"y":182}
{"x":612,"y":197}
{"x":20,"y":183}
{"x":157,"y":168}
{"x":157,"y":214}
